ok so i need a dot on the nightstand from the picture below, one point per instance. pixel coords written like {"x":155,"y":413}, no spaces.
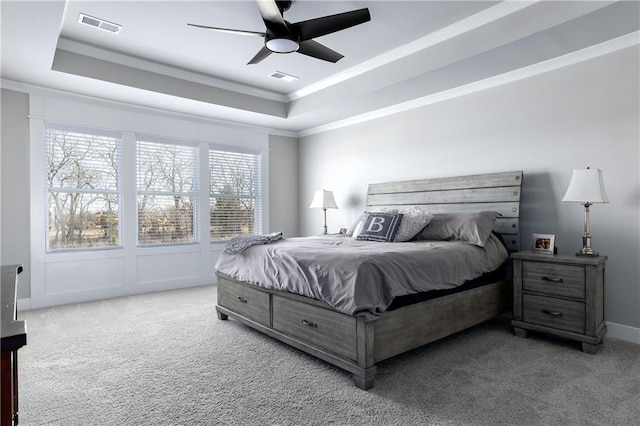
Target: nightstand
{"x":561,"y":294}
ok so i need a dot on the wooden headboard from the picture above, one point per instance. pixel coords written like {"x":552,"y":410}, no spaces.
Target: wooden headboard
{"x":498,"y":192}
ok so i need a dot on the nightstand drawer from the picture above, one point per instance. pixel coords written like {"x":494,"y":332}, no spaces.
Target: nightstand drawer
{"x":322,"y":327}
{"x":250,"y":303}
{"x":554,"y":279}
{"x":560,"y":314}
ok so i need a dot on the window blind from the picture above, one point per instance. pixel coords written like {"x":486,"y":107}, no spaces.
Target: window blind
{"x":235,"y":194}
{"x":84,"y":169}
{"x":167,"y":189}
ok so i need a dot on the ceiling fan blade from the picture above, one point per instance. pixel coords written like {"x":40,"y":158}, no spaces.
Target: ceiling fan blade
{"x":228,"y":30}
{"x":329,"y":24}
{"x":316,"y":50}
{"x":271,"y":16}
{"x":262,"y":53}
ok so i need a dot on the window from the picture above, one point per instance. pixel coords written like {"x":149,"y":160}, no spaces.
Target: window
{"x":167,"y":185}
{"x":235,"y":196}
{"x":85,"y":184}
{"x":83,"y":188}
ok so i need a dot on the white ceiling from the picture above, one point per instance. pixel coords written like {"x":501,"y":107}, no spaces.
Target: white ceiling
{"x":410,"y":50}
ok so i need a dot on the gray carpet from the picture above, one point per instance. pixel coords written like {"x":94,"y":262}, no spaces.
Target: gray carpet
{"x":165,"y":359}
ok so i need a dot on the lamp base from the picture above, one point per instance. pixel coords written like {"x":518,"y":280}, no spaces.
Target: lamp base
{"x":586,"y":249}
{"x":324,"y":227}
{"x":589,"y":253}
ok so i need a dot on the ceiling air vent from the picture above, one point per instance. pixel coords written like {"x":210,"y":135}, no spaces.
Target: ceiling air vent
{"x":99,"y":23}
{"x":279,"y":75}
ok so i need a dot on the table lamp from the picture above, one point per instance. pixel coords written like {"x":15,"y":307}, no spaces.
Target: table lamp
{"x":324,"y":200}
{"x":586,"y":187}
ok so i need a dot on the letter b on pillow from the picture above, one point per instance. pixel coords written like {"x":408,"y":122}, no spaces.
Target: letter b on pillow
{"x":375,"y":225}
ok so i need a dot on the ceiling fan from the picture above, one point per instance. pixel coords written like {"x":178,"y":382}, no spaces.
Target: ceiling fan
{"x":282,"y":36}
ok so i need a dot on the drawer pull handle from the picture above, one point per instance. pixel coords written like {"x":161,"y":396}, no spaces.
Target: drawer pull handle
{"x":553,"y":280}
{"x":309,"y":324}
{"x":242,"y":299}
{"x":552,"y":313}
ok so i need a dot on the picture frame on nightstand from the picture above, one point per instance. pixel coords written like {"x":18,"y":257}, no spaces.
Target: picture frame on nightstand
{"x":543,"y":243}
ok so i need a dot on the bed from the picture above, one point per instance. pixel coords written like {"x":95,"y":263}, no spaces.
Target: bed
{"x":355,"y":339}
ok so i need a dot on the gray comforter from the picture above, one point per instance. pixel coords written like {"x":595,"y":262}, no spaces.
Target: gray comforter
{"x":361,"y":277}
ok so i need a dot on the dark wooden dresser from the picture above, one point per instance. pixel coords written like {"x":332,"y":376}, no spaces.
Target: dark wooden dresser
{"x":14,"y":336}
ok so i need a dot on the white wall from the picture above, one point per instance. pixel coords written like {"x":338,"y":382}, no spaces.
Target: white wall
{"x":67,"y":277}
{"x":15,"y":185}
{"x":57,"y":278}
{"x":586,"y":114}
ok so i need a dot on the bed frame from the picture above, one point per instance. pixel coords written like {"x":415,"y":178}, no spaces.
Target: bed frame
{"x":350,"y":342}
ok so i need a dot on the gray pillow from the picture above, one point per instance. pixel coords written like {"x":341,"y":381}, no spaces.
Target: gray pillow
{"x":473,"y":228}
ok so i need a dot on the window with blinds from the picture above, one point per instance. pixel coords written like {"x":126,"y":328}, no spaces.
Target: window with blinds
{"x":235,"y":194}
{"x":167,"y":185}
{"x":84,"y":169}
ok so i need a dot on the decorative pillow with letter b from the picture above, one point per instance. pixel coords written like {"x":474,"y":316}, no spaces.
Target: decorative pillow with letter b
{"x":379,"y":226}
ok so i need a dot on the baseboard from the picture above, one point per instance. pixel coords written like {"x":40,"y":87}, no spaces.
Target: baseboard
{"x":623,"y":332}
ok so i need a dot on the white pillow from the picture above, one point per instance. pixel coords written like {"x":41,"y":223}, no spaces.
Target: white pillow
{"x":352,"y":228}
{"x":413,"y":221}
{"x":358,"y":229}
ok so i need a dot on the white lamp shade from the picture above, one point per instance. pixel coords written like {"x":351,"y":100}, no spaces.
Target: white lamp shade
{"x":323,"y":200}
{"x":586,"y":186}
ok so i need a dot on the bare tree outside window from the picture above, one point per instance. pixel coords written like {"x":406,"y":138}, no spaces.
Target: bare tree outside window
{"x":235,"y":201}
{"x":167,"y":190}
{"x":84,"y":191}
{"x":83,"y":172}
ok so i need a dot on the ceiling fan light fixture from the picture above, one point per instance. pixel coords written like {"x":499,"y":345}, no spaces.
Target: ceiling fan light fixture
{"x":282,"y":45}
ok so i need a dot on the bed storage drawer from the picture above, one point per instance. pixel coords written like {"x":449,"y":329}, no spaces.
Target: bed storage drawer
{"x":560,"y":314}
{"x":245,"y":301}
{"x":327,"y":329}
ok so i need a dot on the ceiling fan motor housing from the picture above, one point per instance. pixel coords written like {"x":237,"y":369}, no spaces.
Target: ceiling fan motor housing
{"x":284,"y":5}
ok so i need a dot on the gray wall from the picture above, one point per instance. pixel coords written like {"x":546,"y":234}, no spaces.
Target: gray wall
{"x":283,"y":185}
{"x":14,"y":215}
{"x":583,"y":115}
